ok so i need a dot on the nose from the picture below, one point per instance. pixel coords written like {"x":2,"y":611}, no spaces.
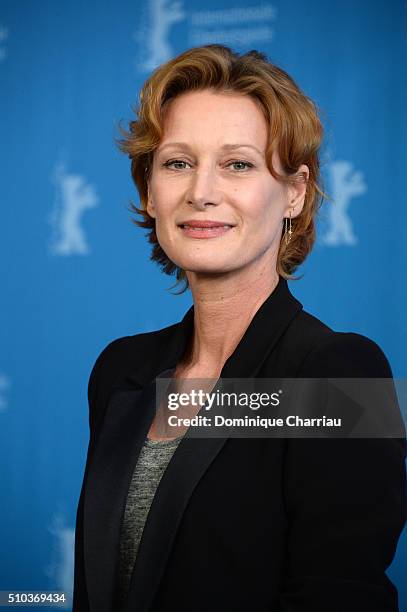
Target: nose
{"x":203,"y":189}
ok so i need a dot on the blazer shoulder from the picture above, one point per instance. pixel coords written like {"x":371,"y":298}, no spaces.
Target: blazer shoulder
{"x":345,"y":355}
{"x":116,"y":356}
{"x":117,"y":352}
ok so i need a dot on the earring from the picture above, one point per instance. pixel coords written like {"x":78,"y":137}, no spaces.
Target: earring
{"x":288,"y":228}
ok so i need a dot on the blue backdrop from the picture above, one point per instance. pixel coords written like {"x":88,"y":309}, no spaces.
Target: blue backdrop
{"x":77,"y":271}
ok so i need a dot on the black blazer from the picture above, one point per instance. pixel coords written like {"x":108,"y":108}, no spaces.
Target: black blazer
{"x":238,"y":524}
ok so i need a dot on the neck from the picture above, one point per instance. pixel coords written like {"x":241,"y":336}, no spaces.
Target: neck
{"x":224,"y":306}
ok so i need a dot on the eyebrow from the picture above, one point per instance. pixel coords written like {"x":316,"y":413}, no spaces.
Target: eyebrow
{"x":227,"y":147}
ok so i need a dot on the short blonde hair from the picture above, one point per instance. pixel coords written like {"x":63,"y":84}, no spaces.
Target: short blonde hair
{"x":295,"y":132}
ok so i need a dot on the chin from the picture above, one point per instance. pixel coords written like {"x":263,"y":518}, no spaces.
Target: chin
{"x":204,"y":258}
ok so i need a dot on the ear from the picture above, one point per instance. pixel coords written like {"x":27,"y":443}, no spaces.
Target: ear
{"x":150,"y":205}
{"x":296,"y":192}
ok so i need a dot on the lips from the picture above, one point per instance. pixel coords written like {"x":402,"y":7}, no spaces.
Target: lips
{"x":204,"y":229}
{"x":197,"y":224}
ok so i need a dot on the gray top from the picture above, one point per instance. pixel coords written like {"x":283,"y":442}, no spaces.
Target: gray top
{"x":153,"y":459}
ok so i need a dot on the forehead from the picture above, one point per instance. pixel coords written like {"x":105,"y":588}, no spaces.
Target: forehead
{"x":215,"y":118}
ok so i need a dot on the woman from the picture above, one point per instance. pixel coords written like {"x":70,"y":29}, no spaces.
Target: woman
{"x":225,"y":158}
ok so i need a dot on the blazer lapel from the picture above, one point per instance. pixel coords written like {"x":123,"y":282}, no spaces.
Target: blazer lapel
{"x":125,"y":427}
{"x":128,"y":418}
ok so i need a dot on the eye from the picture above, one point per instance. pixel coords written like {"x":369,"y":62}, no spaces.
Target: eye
{"x":170,"y":162}
{"x":241,"y":162}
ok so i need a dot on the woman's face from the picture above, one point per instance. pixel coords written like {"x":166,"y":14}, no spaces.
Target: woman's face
{"x":210,"y":166}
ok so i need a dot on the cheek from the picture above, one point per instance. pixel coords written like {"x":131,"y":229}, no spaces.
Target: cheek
{"x":165,"y":204}
{"x":165,"y":214}
{"x":266,"y":205}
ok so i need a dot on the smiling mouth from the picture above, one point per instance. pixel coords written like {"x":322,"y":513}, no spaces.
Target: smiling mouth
{"x":204,"y":228}
{"x":205,"y":232}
